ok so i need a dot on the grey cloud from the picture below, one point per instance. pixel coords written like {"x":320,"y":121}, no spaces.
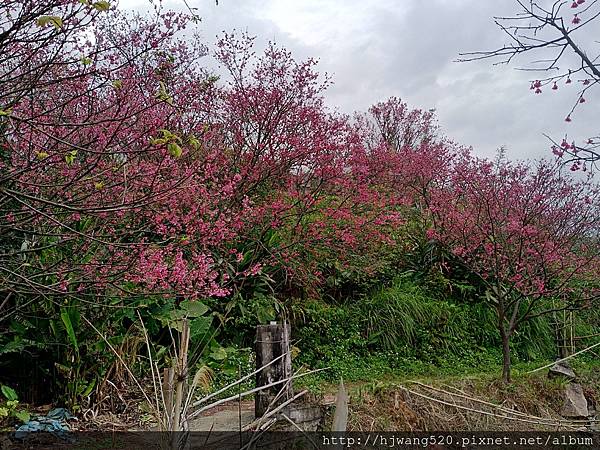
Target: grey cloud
{"x":407,"y":48}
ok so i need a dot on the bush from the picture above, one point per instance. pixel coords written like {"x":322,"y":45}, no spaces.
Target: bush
{"x":401,"y":328}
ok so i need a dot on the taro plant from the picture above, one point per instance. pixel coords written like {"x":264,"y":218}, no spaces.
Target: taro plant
{"x":9,"y":407}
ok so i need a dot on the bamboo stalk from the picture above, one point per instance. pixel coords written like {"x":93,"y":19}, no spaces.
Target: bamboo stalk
{"x":155,"y":376}
{"x":168,"y":378}
{"x":184,"y":342}
{"x":487,"y":413}
{"x":564,"y":359}
{"x":229,"y":386}
{"x":252,"y":391}
{"x":274,"y":411}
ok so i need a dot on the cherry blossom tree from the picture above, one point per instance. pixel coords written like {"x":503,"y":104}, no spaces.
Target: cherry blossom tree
{"x":124,"y":162}
{"x":394,"y":124}
{"x":79,"y":111}
{"x":526,"y":232}
{"x":301,"y":165}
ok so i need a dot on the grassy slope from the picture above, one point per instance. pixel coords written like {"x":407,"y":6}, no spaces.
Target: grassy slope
{"x":382,"y":404}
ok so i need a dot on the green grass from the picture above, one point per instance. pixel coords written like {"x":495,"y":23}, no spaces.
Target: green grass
{"x":375,"y":372}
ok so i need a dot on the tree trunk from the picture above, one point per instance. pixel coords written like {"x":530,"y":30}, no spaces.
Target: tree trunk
{"x":507,"y":326}
{"x":505,"y":356}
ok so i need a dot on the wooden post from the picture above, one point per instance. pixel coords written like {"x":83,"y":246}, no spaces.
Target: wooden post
{"x":272,"y":341}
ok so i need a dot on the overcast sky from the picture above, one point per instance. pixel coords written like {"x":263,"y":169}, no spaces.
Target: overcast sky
{"x":375,"y":49}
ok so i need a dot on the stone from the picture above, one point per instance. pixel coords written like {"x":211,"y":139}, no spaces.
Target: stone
{"x":561,"y":369}
{"x":575,"y":405}
{"x":305,"y":416}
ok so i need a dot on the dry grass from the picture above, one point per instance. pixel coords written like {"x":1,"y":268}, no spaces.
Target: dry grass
{"x":529,"y":403}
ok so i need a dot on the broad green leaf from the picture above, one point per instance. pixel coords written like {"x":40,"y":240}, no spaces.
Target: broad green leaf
{"x":117,"y":84}
{"x":41,"y":155}
{"x":163,"y":95}
{"x":174,"y":149}
{"x":23,"y":416}
{"x":88,"y":390}
{"x":162,"y":89}
{"x":3,"y":411}
{"x":177,"y":325}
{"x":195,"y":143}
{"x":5,"y":112}
{"x":200,"y":327}
{"x":218,"y":354}
{"x":9,"y":393}
{"x":102,"y":5}
{"x":13,"y":346}
{"x":167,"y":134}
{"x":44,"y":21}
{"x":176,"y":314}
{"x":62,"y":368}
{"x":265,"y":313}
{"x":66,"y":319}
{"x":158,"y":141}
{"x":194,"y":309}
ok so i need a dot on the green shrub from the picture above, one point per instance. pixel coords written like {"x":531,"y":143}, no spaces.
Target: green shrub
{"x":399,"y":328}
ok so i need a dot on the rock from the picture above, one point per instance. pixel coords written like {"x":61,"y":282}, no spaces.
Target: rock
{"x":561,"y":369}
{"x":308,"y":417}
{"x":575,"y":405}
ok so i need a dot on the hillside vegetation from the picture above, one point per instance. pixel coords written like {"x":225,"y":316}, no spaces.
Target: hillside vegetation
{"x":153,"y":214}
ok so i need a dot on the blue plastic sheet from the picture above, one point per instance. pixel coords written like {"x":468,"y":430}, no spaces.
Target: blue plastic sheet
{"x":55,"y":422}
